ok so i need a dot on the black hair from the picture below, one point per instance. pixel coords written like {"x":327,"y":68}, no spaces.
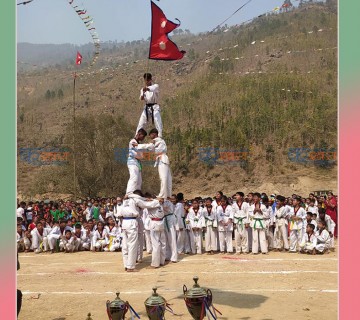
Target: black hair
{"x":310,"y":213}
{"x":138,"y":192}
{"x":142,"y":131}
{"x":257,"y":194}
{"x":154,"y":131}
{"x":180,"y":197}
{"x":147,"y":76}
{"x":220,"y":192}
{"x":322,"y":210}
{"x":265,"y":199}
{"x":311,"y":226}
{"x":280,"y":198}
{"x":241,"y":194}
{"x":208,"y":198}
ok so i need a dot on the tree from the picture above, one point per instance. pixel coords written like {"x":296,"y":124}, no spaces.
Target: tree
{"x":60,"y":94}
{"x":53,"y":94}
{"x":48,"y":95}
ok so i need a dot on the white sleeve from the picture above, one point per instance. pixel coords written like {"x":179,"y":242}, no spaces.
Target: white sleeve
{"x":153,"y":88}
{"x":147,"y":204}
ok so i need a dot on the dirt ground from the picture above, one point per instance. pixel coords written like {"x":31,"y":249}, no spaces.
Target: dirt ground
{"x":248,"y":287}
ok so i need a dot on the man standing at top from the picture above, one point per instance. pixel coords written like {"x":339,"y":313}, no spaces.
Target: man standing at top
{"x":150,"y":95}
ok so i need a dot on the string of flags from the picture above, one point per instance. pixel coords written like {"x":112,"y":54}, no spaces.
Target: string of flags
{"x":89,"y":24}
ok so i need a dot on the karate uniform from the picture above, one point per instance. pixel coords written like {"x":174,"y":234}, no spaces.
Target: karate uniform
{"x":313,"y":210}
{"x":308,"y":242}
{"x":257,"y":223}
{"x":270,"y":226}
{"x":157,"y":233}
{"x":130,"y":211}
{"x":211,"y":229}
{"x":114,"y":238}
{"x":23,"y":242}
{"x":67,"y":245}
{"x":216,"y":206}
{"x":100,"y":239}
{"x":330,"y":226}
{"x":323,"y":240}
{"x":163,"y":164}
{"x":296,"y":227}
{"x":39,"y":241}
{"x":81,"y":241}
{"x":170,"y":231}
{"x":197,"y":220}
{"x":55,"y":235}
{"x":225,"y":231}
{"x":151,"y":98}
{"x":281,"y":233}
{"x":147,"y":220}
{"x":180,"y":217}
{"x":134,"y":165}
{"x":240,"y":219}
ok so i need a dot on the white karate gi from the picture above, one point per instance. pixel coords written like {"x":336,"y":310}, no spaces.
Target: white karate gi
{"x":258,"y":225}
{"x":147,"y":220}
{"x":308,"y":242}
{"x":189,"y":241}
{"x":270,"y":226}
{"x":39,"y":242}
{"x":180,"y":216}
{"x":163,"y":164}
{"x":67,"y":245}
{"x":296,"y":227}
{"x":323,"y":240}
{"x":330,"y":227}
{"x":134,"y":164}
{"x":55,"y":235}
{"x":216,"y":206}
{"x":197,"y":220}
{"x":157,"y":233}
{"x":100,"y":239}
{"x":313,"y":210}
{"x":211,"y":229}
{"x":151,"y":97}
{"x":170,"y":231}
{"x":225,"y":227}
{"x":114,"y":238}
{"x":130,"y":211}
{"x":23,"y":242}
{"x":240,"y":219}
{"x":281,"y":232}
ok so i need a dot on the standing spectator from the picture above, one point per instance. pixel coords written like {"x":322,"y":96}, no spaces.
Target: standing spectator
{"x":331,"y":209}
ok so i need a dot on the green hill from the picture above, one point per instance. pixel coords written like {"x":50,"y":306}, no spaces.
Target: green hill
{"x":262,"y":88}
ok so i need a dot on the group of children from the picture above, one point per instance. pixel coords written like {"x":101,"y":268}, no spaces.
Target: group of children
{"x":168,"y":227}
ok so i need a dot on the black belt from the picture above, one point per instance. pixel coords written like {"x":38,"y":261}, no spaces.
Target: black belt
{"x":151,"y":106}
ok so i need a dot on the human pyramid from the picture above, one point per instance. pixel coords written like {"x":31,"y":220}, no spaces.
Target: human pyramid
{"x":166,"y":225}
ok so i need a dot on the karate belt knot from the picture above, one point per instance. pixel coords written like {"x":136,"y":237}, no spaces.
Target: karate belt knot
{"x":151,"y":107}
{"x":258,"y":221}
{"x":239,"y":220}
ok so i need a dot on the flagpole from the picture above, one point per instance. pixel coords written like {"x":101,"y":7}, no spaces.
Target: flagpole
{"x":74,"y":158}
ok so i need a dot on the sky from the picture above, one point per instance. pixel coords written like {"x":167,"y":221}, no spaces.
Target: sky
{"x":54,"y":21}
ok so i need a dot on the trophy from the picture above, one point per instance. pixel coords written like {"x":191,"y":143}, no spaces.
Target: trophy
{"x":89,"y":317}
{"x":198,"y":301}
{"x":117,"y":309}
{"x":155,"y":306}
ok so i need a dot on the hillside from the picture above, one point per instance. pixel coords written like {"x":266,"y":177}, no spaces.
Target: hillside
{"x":263,"y":88}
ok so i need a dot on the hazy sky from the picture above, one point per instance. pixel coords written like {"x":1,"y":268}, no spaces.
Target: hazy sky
{"x":54,"y":21}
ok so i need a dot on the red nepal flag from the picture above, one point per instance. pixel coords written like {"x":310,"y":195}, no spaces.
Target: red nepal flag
{"x":78,"y":58}
{"x":161,"y":47}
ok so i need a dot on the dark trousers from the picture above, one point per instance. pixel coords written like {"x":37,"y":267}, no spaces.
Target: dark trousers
{"x":19,"y":301}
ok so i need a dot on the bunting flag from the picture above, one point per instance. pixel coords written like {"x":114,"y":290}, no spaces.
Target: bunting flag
{"x":78,"y":58}
{"x":161,"y":47}
{"x":88,"y":22}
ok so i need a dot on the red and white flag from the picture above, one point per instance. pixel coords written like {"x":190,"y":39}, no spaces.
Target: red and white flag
{"x":78,"y":58}
{"x":161,"y":47}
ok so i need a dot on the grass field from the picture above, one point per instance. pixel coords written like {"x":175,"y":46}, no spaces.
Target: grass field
{"x":262,"y":287}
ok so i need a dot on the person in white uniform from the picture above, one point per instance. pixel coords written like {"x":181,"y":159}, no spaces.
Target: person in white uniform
{"x":157,"y":233}
{"x":258,"y":214}
{"x":281,"y":223}
{"x":211,"y":236}
{"x":181,"y":225}
{"x":100,"y":238}
{"x":297,"y":223}
{"x":309,"y":240}
{"x":197,"y":223}
{"x":170,"y":229}
{"x":163,"y":164}
{"x":241,"y":223}
{"x":55,"y":234}
{"x":114,"y":233}
{"x":150,"y":95}
{"x":39,"y":238}
{"x":225,"y":217}
{"x":67,"y":242}
{"x":133,"y":161}
{"x":323,"y":238}
{"x":129,"y":212}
